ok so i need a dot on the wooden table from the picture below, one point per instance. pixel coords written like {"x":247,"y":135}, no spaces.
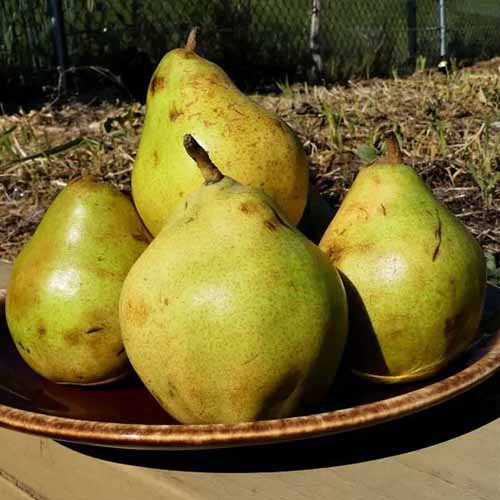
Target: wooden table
{"x":450,"y":452}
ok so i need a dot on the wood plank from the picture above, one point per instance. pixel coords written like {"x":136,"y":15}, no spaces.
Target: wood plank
{"x":427,"y":474}
{"x":10,"y":491}
{"x":55,"y":472}
{"x":464,"y":468}
{"x":474,"y":467}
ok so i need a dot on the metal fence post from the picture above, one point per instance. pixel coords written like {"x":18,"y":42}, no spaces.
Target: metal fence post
{"x":411,"y":20}
{"x":59,"y":39}
{"x":317,"y":63}
{"x":442,"y":29}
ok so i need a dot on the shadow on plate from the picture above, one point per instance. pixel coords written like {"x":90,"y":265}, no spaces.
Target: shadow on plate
{"x":457,"y":417}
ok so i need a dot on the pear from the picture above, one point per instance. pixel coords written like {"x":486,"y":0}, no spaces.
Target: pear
{"x":62,"y":297}
{"x":415,"y":277}
{"x":231,"y":314}
{"x":189,"y":94}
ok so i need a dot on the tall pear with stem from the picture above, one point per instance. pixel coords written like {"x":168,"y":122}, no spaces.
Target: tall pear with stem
{"x":415,"y":276}
{"x":232,"y":314}
{"x":188,"y":93}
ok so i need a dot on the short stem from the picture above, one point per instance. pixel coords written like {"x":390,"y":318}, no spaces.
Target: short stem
{"x":191,"y":41}
{"x":393,"y":155}
{"x":208,"y":169}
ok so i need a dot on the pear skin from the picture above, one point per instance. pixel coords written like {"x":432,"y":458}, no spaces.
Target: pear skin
{"x":62,"y":297}
{"x":414,"y":275}
{"x":231,"y":314}
{"x":189,"y":94}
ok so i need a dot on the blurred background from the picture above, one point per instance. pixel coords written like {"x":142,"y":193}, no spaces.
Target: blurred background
{"x":258,"y":42}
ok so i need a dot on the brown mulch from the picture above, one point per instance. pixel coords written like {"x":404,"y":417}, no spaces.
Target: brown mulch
{"x":448,"y":125}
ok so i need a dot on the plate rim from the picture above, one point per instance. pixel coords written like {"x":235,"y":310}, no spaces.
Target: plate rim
{"x":186,"y":436}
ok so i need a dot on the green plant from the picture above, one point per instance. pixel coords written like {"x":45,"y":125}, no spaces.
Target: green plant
{"x":421,"y":63}
{"x":335,"y":121}
{"x":438,"y":125}
{"x":485,"y":170}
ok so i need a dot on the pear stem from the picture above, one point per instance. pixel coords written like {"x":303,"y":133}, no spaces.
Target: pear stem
{"x":209,"y":170}
{"x":393,"y":155}
{"x":191,"y":41}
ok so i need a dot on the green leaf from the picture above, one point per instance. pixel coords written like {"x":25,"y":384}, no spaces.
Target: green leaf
{"x":7,"y":132}
{"x":49,"y":152}
{"x":366,"y":153}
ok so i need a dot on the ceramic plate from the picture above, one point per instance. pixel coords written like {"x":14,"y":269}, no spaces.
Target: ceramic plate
{"x":125,"y":415}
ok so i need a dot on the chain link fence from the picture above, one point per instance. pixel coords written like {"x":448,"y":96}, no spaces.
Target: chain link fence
{"x":255,"y":40}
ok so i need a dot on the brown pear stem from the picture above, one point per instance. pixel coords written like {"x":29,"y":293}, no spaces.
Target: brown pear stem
{"x":393,"y":155}
{"x":191,"y":41}
{"x":208,"y":169}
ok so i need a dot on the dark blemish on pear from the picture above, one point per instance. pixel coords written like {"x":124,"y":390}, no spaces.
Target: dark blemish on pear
{"x":157,"y":83}
{"x":450,"y":326}
{"x":438,"y":235}
{"x":137,"y":312}
{"x":121,"y":351}
{"x":294,"y":286}
{"x":165,"y":302}
{"x":21,"y":345}
{"x":191,"y":219}
{"x":174,"y":113}
{"x":272,"y":225}
{"x":359,"y":210}
{"x":156,"y":159}
{"x":172,"y":390}
{"x":140,"y":237}
{"x":248,"y":208}
{"x":187,"y":55}
{"x":186,"y":205}
{"x":250,"y":359}
{"x":95,"y":329}
{"x":384,"y":211}
{"x":41,"y":331}
{"x":335,"y":253}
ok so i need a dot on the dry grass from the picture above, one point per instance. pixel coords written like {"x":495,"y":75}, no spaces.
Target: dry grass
{"x":448,"y":125}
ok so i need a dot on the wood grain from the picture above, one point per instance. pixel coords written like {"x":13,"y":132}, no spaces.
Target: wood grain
{"x":465,"y":468}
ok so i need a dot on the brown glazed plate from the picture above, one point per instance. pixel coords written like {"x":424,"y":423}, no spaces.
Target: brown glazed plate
{"x":124,"y":414}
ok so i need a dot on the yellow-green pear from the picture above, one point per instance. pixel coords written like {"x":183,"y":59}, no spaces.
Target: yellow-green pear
{"x":62,"y":297}
{"x":189,"y":94}
{"x":231,"y":314}
{"x":414,"y":276}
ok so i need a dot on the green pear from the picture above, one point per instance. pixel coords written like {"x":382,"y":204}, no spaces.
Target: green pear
{"x":187,"y":93}
{"x":231,"y":314}
{"x":414,"y":276}
{"x":62,"y":297}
